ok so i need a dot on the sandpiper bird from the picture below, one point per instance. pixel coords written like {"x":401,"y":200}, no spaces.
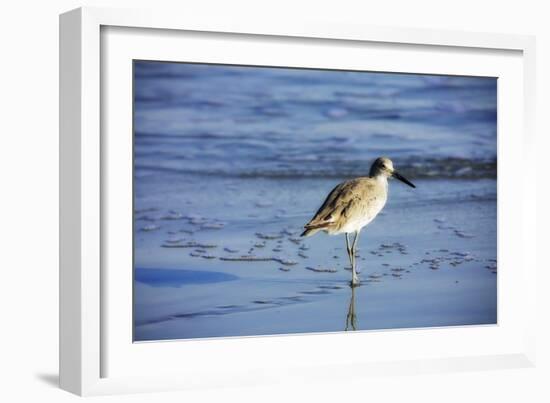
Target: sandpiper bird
{"x":353,"y":204}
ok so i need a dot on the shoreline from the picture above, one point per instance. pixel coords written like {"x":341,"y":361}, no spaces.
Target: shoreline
{"x":431,"y":248}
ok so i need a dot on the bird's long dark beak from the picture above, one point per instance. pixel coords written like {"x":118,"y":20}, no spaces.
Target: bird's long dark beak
{"x":397,"y":175}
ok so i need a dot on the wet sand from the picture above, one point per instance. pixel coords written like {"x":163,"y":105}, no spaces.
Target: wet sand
{"x":223,"y":257}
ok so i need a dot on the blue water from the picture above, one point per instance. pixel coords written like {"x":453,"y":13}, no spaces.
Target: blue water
{"x":232,"y":161}
{"x":177,"y":278}
{"x":246,"y":121}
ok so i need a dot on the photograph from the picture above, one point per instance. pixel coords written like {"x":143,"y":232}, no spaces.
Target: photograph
{"x":276,"y":200}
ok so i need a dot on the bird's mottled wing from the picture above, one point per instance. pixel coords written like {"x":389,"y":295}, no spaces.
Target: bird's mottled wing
{"x":336,"y":202}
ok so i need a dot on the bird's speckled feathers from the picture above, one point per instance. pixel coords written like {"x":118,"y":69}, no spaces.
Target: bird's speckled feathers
{"x":350,"y":204}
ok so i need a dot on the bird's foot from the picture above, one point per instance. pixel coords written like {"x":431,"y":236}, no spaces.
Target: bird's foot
{"x":354,"y":282}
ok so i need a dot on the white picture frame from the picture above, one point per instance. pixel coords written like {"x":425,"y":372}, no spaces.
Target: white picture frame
{"x":96,"y":356}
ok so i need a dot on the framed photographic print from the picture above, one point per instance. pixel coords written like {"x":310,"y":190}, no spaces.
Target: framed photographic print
{"x":260,"y":199}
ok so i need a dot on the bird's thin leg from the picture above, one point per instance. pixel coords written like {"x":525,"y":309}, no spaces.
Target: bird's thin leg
{"x":355,"y":278}
{"x":348,"y":248}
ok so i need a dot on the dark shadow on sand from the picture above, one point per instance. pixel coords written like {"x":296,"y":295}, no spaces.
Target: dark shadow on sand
{"x":177,"y":278}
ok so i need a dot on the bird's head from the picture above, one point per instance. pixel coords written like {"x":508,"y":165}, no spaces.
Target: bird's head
{"x":383,"y":166}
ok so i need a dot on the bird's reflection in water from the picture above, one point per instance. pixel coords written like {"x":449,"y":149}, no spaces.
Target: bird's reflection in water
{"x":351,"y":319}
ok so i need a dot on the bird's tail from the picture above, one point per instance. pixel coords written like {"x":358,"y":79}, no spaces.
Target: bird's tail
{"x":310,"y":231}
{"x":313,"y":229}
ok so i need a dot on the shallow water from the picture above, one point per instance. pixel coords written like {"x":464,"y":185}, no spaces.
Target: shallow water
{"x":231,"y":162}
{"x":268,"y":122}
